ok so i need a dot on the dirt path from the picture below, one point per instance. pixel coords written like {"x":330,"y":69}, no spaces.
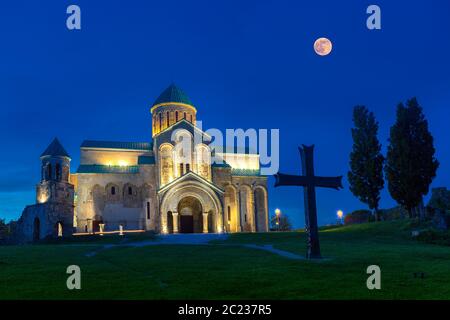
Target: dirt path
{"x":196,"y":239}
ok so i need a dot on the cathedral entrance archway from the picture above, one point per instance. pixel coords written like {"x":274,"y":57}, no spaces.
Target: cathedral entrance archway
{"x":192,"y":198}
{"x":36,"y":229}
{"x":191,"y":218}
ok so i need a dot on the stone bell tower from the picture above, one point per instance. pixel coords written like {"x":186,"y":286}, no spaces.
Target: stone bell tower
{"x":52,"y":215}
{"x":55,"y":170}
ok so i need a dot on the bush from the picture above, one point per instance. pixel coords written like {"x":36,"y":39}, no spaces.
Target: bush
{"x":395,"y":213}
{"x":284,"y":223}
{"x":7,"y":231}
{"x":358,"y":216}
{"x":434,"y":236}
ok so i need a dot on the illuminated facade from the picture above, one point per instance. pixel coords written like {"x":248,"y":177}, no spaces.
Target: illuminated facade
{"x":168,"y":185}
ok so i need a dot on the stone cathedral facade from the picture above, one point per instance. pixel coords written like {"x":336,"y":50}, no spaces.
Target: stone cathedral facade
{"x":168,"y":185}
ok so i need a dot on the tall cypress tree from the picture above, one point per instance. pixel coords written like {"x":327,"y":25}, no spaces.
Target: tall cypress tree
{"x":411,"y":165}
{"x":366,"y":161}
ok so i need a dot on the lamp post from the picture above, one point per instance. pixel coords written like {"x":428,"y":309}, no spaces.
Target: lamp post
{"x":340,"y":215}
{"x":277,"y":214}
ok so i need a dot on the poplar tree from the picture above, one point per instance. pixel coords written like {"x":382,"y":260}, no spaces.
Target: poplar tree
{"x":411,"y":164}
{"x":366,"y":161}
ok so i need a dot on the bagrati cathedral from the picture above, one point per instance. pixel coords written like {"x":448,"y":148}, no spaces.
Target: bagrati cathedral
{"x":161,"y":185}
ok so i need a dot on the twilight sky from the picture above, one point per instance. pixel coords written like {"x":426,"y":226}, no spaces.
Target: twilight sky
{"x":244,"y":64}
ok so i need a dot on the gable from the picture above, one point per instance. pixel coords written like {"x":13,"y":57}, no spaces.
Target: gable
{"x":166,"y":134}
{"x":193,"y":177}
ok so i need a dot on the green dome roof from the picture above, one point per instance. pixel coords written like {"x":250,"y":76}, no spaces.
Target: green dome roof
{"x":173,"y":94}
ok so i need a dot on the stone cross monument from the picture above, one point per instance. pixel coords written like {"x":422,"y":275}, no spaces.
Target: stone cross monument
{"x":309,"y":182}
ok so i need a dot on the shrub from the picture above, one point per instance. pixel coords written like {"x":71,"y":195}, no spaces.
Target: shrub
{"x":358,"y":216}
{"x":394,"y":213}
{"x":434,"y":236}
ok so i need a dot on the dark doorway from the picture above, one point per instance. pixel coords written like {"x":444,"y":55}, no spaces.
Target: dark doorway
{"x":36,"y":229}
{"x":186,"y":224}
{"x":190,"y":210}
{"x":96,"y":225}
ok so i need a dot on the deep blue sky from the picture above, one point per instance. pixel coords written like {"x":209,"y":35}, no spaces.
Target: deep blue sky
{"x":245,"y":64}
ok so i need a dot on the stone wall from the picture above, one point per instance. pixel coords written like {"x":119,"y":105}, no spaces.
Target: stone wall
{"x":43,"y":218}
{"x":245,"y":201}
{"x":440,"y":199}
{"x":126,"y":205}
{"x":111,"y":157}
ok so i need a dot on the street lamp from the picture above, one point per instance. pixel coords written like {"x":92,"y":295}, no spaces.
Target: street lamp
{"x":277,"y":214}
{"x":340,"y":215}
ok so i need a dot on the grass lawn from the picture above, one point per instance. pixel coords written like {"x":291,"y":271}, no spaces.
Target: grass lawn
{"x":226,"y":270}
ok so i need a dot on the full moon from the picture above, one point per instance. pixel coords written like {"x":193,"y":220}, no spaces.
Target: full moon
{"x":323,"y":46}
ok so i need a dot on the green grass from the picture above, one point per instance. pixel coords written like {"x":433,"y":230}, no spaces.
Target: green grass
{"x":226,"y":270}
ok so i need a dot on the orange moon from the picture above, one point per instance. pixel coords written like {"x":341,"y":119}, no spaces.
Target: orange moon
{"x":323,"y":46}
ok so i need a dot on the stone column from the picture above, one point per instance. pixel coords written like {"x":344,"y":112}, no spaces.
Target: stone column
{"x":175,"y":221}
{"x":205,"y":222}
{"x":164,"y":226}
{"x":238,"y":212}
{"x":254,"y":212}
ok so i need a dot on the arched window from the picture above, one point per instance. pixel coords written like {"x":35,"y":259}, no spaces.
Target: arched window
{"x":191,"y":118}
{"x":167,"y":115}
{"x":166,"y":163}
{"x":203,"y":160}
{"x":148,"y":210}
{"x":130,"y":191}
{"x":160,"y":121}
{"x":181,"y":169}
{"x":229,"y":214}
{"x":58,"y":171}
{"x":113,"y":190}
{"x":49,"y":171}
{"x":185,"y":115}
{"x":176,"y":116}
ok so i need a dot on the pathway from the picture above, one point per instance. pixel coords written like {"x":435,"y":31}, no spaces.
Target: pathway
{"x":196,"y":239}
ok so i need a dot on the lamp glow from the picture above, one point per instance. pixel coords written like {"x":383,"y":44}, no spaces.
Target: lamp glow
{"x":277,"y":215}
{"x":122,"y":163}
{"x":340,"y":214}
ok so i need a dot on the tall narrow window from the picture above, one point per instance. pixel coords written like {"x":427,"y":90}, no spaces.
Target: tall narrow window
{"x":130,"y":191}
{"x":167,"y":115}
{"x":191,"y":118}
{"x":181,"y":169}
{"x":188,"y":167}
{"x":113,"y":190}
{"x":176,"y":116}
{"x":185,"y":115}
{"x":229,"y":214}
{"x":160,"y":121}
{"x":148,"y":210}
{"x":58,"y":172}
{"x":49,"y":171}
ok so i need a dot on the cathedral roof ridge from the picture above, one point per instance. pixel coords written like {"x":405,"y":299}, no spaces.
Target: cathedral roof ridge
{"x":99,"y":168}
{"x":102,"y":144}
